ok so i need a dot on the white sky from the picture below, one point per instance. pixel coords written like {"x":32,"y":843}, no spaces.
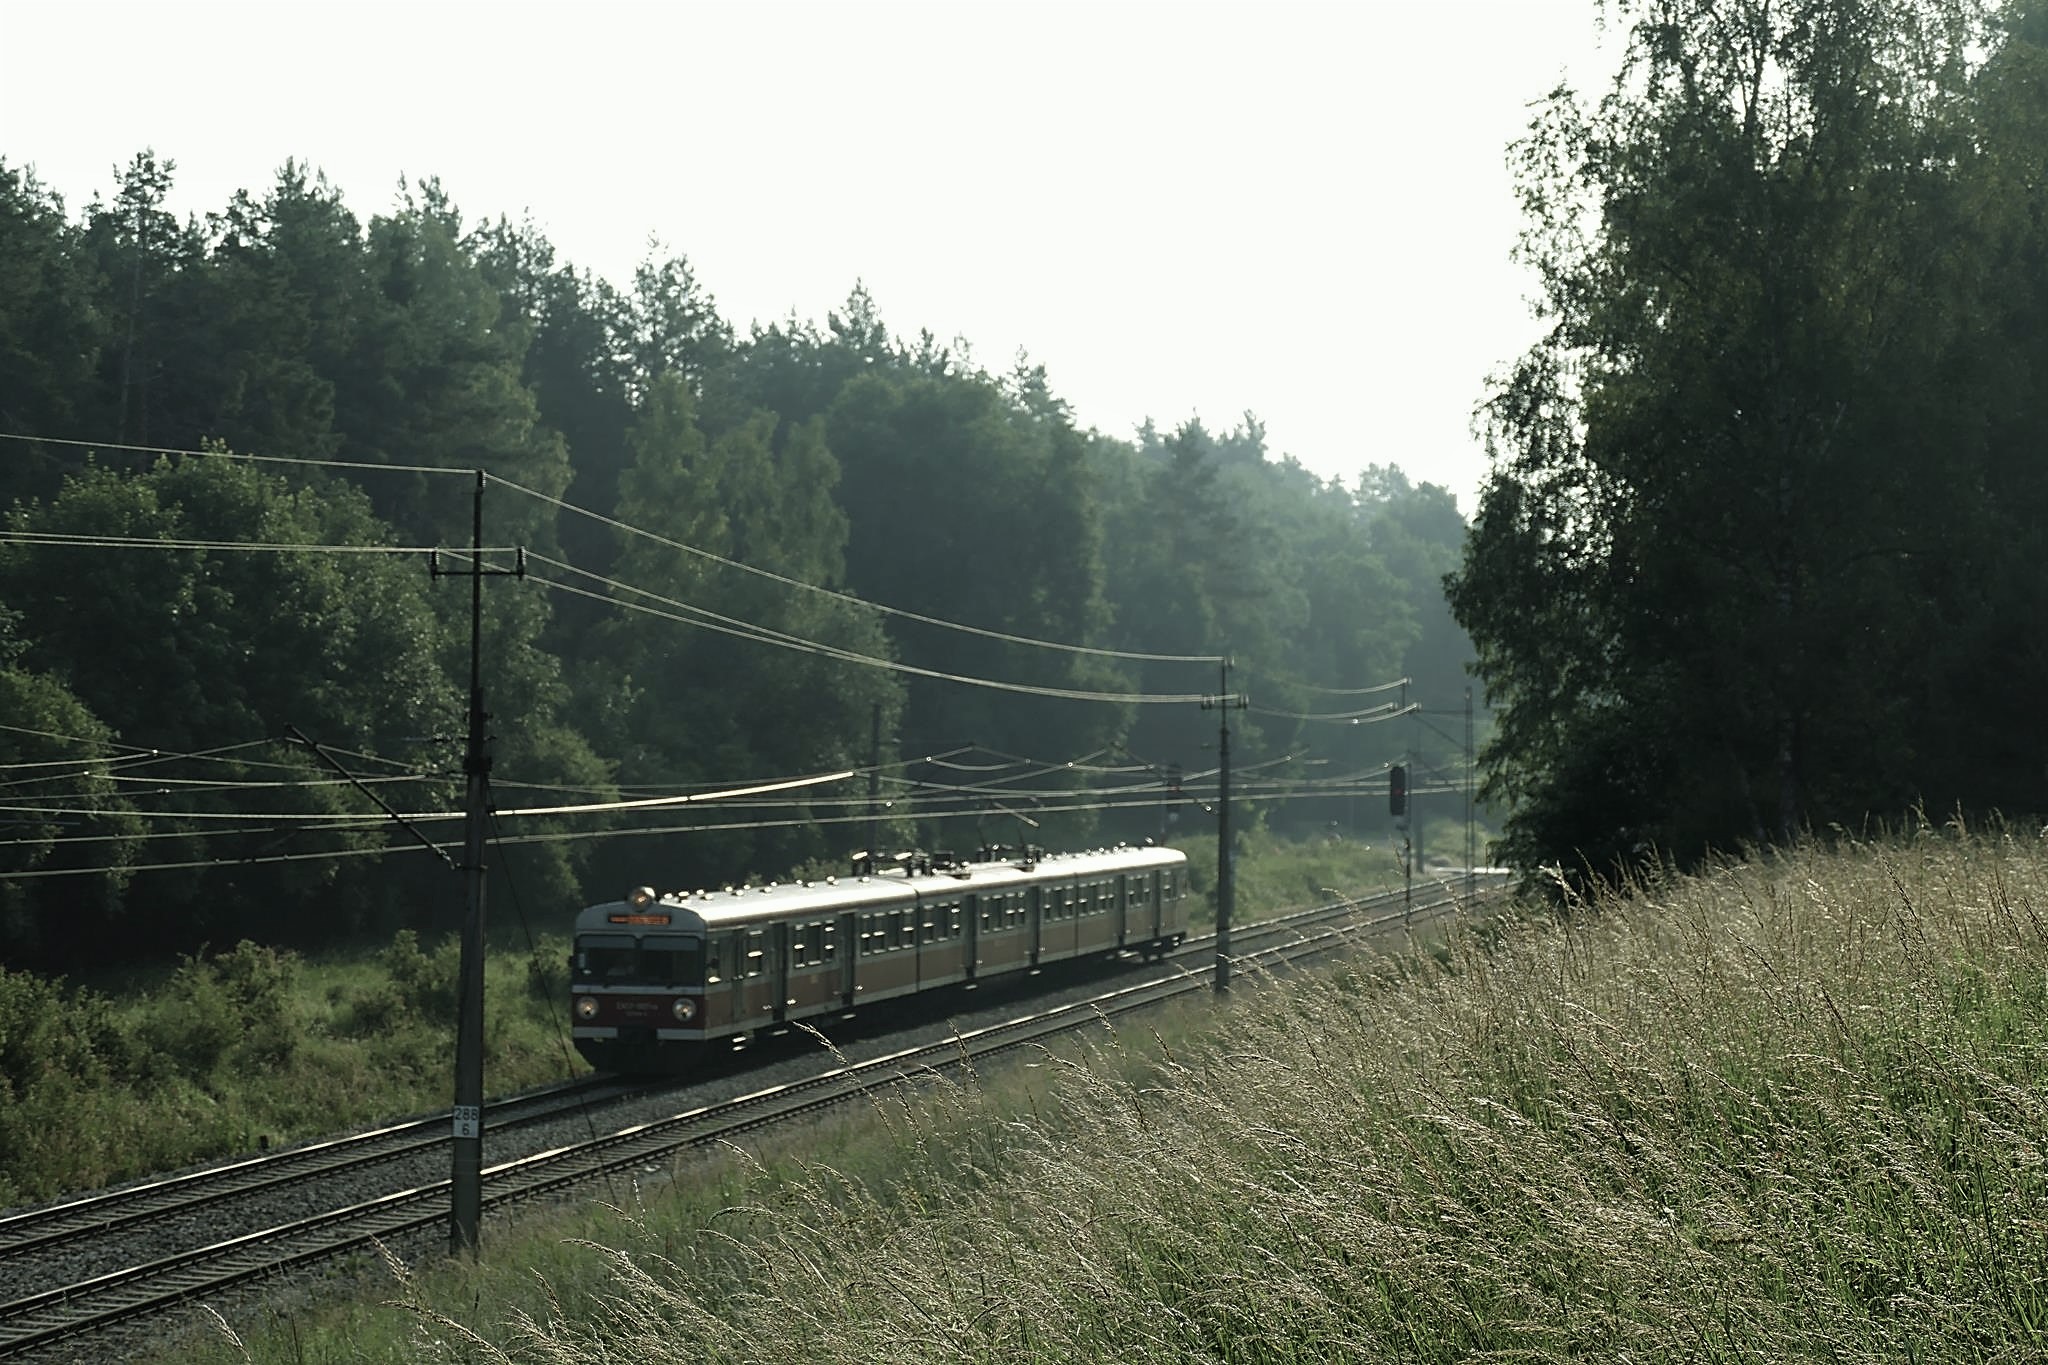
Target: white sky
{"x":1301,"y":210}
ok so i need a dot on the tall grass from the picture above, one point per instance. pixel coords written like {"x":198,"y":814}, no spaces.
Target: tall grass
{"x":1276,"y":874}
{"x":1784,"y":1109}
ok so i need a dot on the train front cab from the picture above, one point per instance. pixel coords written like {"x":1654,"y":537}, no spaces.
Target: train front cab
{"x":637,"y":983}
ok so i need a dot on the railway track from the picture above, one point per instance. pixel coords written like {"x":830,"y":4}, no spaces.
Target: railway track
{"x":97,"y":1214}
{"x":139,"y":1284}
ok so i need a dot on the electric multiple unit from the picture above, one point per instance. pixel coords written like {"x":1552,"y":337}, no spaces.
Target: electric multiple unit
{"x":658,"y":977}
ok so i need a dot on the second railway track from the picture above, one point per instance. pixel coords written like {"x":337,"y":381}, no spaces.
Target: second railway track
{"x":124,"y":1254}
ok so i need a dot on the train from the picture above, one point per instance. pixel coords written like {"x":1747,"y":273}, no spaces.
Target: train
{"x":659,"y":980}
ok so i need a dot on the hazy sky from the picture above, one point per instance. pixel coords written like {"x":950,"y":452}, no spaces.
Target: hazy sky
{"x":1300,"y":210}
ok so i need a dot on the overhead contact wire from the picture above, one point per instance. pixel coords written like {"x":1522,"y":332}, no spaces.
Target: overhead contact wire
{"x":849,"y":598}
{"x":729,"y":626}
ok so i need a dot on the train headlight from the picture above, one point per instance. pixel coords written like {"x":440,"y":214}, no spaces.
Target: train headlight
{"x":586,"y":1007}
{"x":640,"y":897}
{"x":684,"y":1009}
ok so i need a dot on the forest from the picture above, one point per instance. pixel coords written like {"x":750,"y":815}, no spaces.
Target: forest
{"x":1758,"y":559}
{"x":839,"y":587}
{"x":1760,"y":556}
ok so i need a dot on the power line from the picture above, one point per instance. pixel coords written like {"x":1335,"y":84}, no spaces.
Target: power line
{"x":65,"y":540}
{"x":1370,"y":716}
{"x":223,"y":454}
{"x":673,"y":788}
{"x":1139,"y":803}
{"x":726,"y":625}
{"x":848,"y":597}
{"x":662,"y":802}
{"x":1374,"y":690}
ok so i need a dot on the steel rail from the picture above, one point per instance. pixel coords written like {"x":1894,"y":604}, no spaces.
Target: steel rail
{"x":116,"y":1296}
{"x":90,"y":1215}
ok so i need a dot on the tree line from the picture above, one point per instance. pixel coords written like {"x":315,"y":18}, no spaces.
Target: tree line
{"x":683,"y":490}
{"x":1760,"y":555}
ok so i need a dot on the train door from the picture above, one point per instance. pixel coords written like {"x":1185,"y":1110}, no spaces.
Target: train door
{"x":777,"y":946}
{"x":971,"y":957}
{"x":1034,"y":917}
{"x":751,"y":977}
{"x":924,"y":921}
{"x":724,"y":983}
{"x":849,"y":956}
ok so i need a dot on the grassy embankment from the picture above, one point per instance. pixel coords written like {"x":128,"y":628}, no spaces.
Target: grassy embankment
{"x":1794,"y":1109}
{"x":236,"y":1049}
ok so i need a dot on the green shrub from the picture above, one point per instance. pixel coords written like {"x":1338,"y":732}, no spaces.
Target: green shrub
{"x":365,"y":1012}
{"x":547,"y":972}
{"x":60,"y":1051}
{"x":46,"y":1031}
{"x":426,"y":982}
{"x":194,"y":1023}
{"x":239,"y":1005}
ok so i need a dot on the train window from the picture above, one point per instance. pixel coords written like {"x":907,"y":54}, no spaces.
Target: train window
{"x":717,"y":958}
{"x":955,"y":923}
{"x":756,"y":959}
{"x":798,"y":948}
{"x":671,"y":961}
{"x":828,"y":946}
{"x":606,"y":957}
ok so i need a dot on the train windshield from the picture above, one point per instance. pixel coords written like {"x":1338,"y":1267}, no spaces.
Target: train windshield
{"x":619,"y":960}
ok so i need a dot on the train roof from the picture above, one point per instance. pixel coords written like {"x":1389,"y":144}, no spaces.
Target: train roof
{"x":737,"y":906}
